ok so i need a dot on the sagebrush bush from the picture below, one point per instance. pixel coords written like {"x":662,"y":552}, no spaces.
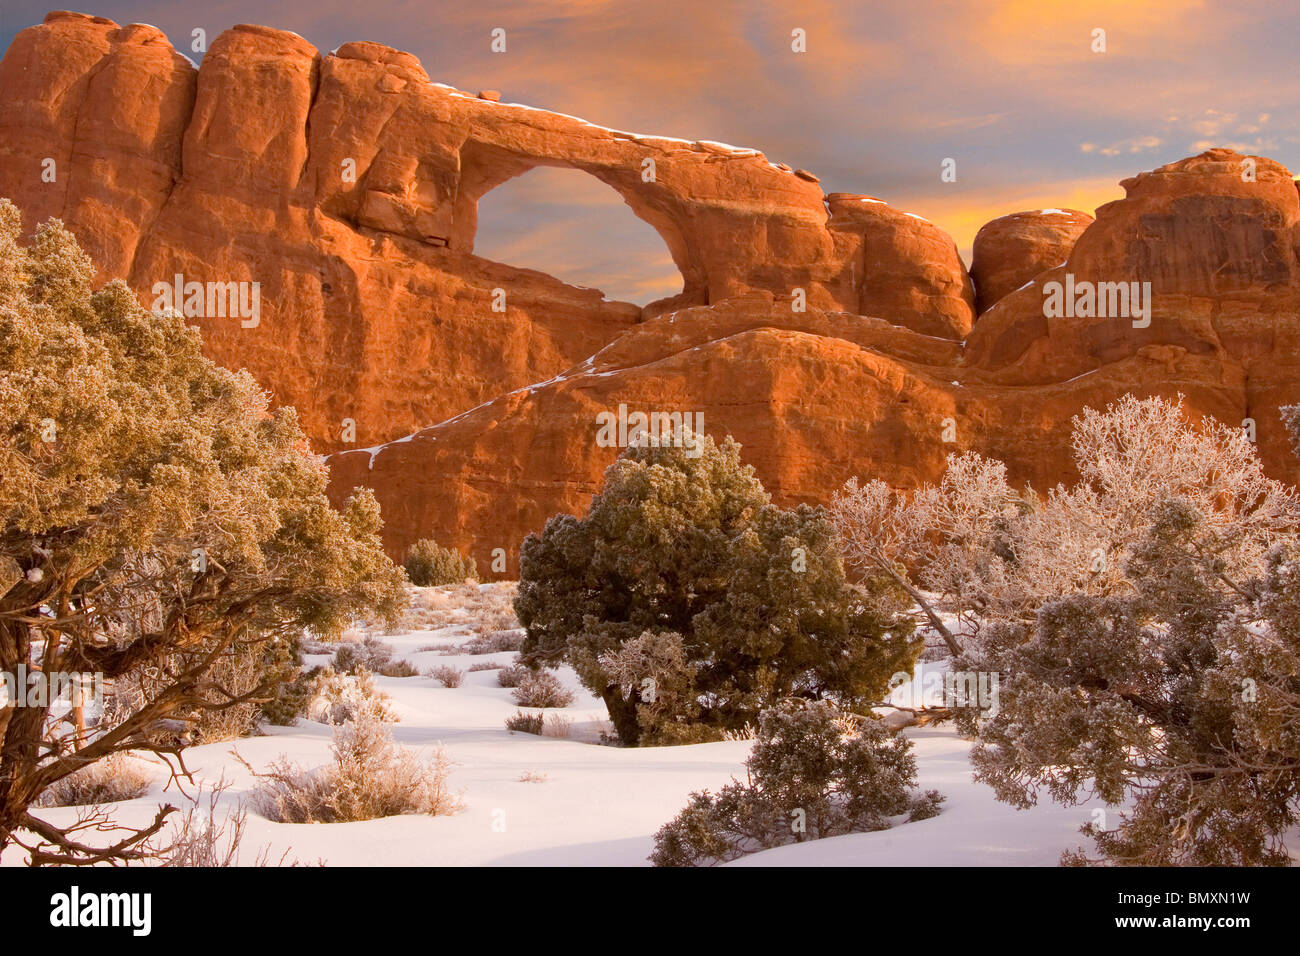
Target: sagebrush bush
{"x":814,"y":772}
{"x":526,"y":723}
{"x":447,"y":676}
{"x":542,"y":689}
{"x":512,"y":674}
{"x":481,"y":608}
{"x":484,"y":666}
{"x":117,"y":777}
{"x":372,"y":654}
{"x":494,"y":642}
{"x":428,"y":565}
{"x":336,"y":698}
{"x":557,"y":725}
{"x":370,"y":777}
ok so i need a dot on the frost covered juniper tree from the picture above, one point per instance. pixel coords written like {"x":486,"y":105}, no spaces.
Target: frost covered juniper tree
{"x":157,"y":517}
{"x":689,"y":602}
{"x":980,"y":549}
{"x":1144,"y":627}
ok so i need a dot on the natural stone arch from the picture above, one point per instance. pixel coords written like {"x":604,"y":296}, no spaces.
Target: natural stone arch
{"x":571,"y":226}
{"x":484,"y":166}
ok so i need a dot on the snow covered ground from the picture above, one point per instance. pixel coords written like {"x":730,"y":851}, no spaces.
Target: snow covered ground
{"x":545,"y":801}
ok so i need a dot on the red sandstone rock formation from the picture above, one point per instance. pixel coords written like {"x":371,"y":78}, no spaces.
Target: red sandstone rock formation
{"x":347,"y":186}
{"x":909,"y":267}
{"x":375,"y":308}
{"x":1221,"y":255}
{"x":818,"y":397}
{"x":1011,"y":250}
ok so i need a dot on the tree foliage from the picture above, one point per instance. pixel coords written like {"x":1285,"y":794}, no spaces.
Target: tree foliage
{"x":1142,"y":624}
{"x":744,"y":601}
{"x":158,"y":517}
{"x":814,"y":772}
{"x":427,"y":564}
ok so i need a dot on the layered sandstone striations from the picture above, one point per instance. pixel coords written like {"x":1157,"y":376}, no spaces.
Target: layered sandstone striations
{"x":833,"y":335}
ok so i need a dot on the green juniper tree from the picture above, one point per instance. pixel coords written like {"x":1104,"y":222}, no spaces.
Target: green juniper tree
{"x":428,"y":564}
{"x":750,"y":598}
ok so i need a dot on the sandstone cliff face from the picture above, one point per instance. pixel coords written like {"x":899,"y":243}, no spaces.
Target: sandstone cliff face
{"x":347,"y":186}
{"x":1009,"y":251}
{"x":1220,"y":255}
{"x":910,"y":269}
{"x":814,"y":399}
{"x":832,"y":335}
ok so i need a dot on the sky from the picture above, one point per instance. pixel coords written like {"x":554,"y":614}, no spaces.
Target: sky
{"x":1013,"y":90}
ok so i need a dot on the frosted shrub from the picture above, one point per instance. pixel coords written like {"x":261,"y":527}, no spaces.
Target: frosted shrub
{"x":814,"y":772}
{"x":975,"y":547}
{"x":512,"y":674}
{"x":204,"y":837}
{"x":373,"y":655}
{"x":117,"y":777}
{"x":542,"y":689}
{"x":1142,"y":623}
{"x":519,"y":722}
{"x":493,"y":642}
{"x":336,"y":698}
{"x":447,"y":676}
{"x":370,"y":777}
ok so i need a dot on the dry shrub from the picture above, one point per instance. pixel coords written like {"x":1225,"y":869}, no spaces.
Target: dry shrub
{"x":484,"y":666}
{"x":747,"y":732}
{"x":370,"y":777}
{"x":399,"y":668}
{"x":557,"y":725}
{"x":525,"y":723}
{"x":202,"y":838}
{"x":480,"y":609}
{"x":512,"y":674}
{"x":494,"y":642}
{"x":447,"y":676}
{"x":602,"y":729}
{"x":532,"y":776}
{"x":370,"y":653}
{"x":119,"y":776}
{"x":336,"y":698}
{"x":542,"y":689}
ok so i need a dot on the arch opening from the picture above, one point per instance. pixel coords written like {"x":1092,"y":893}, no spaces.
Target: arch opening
{"x":570,"y":225}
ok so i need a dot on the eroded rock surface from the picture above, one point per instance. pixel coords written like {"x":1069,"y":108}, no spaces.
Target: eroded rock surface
{"x":1011,"y":250}
{"x":833,"y":335}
